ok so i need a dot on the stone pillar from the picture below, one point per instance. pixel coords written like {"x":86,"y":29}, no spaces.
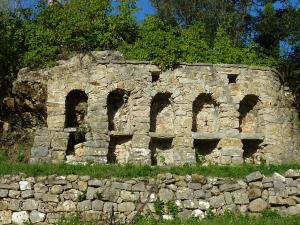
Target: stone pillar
{"x":231,"y":151}
{"x":140,"y":152}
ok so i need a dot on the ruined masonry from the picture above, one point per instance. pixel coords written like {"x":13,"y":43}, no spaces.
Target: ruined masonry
{"x":103,"y":109}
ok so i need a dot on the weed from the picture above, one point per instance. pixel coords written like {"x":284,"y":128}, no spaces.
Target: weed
{"x":81,"y":197}
{"x":173,"y":208}
{"x":98,"y":195}
{"x":159,"y":207}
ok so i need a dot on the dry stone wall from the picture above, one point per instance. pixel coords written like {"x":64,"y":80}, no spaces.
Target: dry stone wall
{"x":47,"y":199}
{"x":103,"y":110}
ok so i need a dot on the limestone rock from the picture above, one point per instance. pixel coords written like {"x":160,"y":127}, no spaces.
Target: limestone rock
{"x":24,"y":185}
{"x":3,"y":193}
{"x":254,"y":176}
{"x":203,"y":205}
{"x":240,"y":197}
{"x":254,"y":193}
{"x":184,"y":193}
{"x":217,"y":201}
{"x":197,"y":178}
{"x":258,"y":205}
{"x":229,"y":187}
{"x":97,"y":205}
{"x":84,"y":205}
{"x":20,"y":217}
{"x":292,"y":173}
{"x":278,"y":177}
{"x":126,"y":207}
{"x":5,"y":217}
{"x":66,"y":206}
{"x":36,"y":217}
{"x":30,"y":204}
{"x":165,"y":195}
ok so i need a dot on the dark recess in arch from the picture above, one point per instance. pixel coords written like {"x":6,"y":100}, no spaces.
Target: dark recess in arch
{"x":250,"y":147}
{"x":115,"y":100}
{"x":76,"y":108}
{"x":246,"y":105}
{"x":198,"y":105}
{"x":158,"y":103}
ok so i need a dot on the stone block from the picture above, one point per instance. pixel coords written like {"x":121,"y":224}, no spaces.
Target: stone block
{"x":29,"y":205}
{"x":5,"y":217}
{"x":37,"y":217}
{"x":20,"y":217}
{"x":165,"y":195}
{"x":126,"y":207}
{"x":258,"y":205}
{"x":3,"y":193}
{"x":84,"y":205}
{"x":240,"y":197}
{"x":217,"y":201}
{"x":254,"y":176}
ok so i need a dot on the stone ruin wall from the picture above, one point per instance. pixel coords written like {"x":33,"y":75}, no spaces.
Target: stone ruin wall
{"x":47,"y":199}
{"x":108,"y":111}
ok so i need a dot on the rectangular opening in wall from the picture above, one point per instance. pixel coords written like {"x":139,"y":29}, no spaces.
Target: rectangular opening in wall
{"x":251,"y":146}
{"x":232,"y":78}
{"x":157,"y":146}
{"x":155,"y":76}
{"x":205,"y":147}
{"x":75,"y":138}
{"x":119,"y":149}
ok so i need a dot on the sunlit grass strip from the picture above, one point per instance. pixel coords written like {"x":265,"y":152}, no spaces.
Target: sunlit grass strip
{"x":133,"y":171}
{"x":267,"y":218}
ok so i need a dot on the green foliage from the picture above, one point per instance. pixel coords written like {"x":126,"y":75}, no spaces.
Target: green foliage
{"x":99,"y":195}
{"x":81,"y":197}
{"x":156,"y":42}
{"x":21,"y":156}
{"x":78,"y":26}
{"x":224,"y":51}
{"x":173,"y":209}
{"x":159,"y":207}
{"x":167,"y":46}
{"x":12,"y":48}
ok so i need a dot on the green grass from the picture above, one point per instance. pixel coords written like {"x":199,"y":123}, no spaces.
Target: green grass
{"x":131,"y":171}
{"x":268,"y":218}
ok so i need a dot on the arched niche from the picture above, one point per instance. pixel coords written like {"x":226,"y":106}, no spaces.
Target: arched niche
{"x":75,"y":112}
{"x":205,"y":114}
{"x":118,"y":110}
{"x":162,"y":114}
{"x":248,"y":110}
{"x":75,"y":108}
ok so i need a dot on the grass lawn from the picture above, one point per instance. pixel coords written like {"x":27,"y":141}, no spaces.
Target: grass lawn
{"x":132,"y":171}
{"x":268,"y":218}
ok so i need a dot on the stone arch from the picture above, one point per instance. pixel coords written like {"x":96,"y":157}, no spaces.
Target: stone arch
{"x":162,"y":114}
{"x":248,"y":114}
{"x":118,"y":110}
{"x":75,"y":113}
{"x":205,"y":114}
{"x":75,"y":108}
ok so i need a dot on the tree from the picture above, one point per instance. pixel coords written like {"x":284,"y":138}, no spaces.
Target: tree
{"x":232,"y":15}
{"x":78,"y":26}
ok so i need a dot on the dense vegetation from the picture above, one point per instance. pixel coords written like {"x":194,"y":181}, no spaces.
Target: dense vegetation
{"x":242,"y":31}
